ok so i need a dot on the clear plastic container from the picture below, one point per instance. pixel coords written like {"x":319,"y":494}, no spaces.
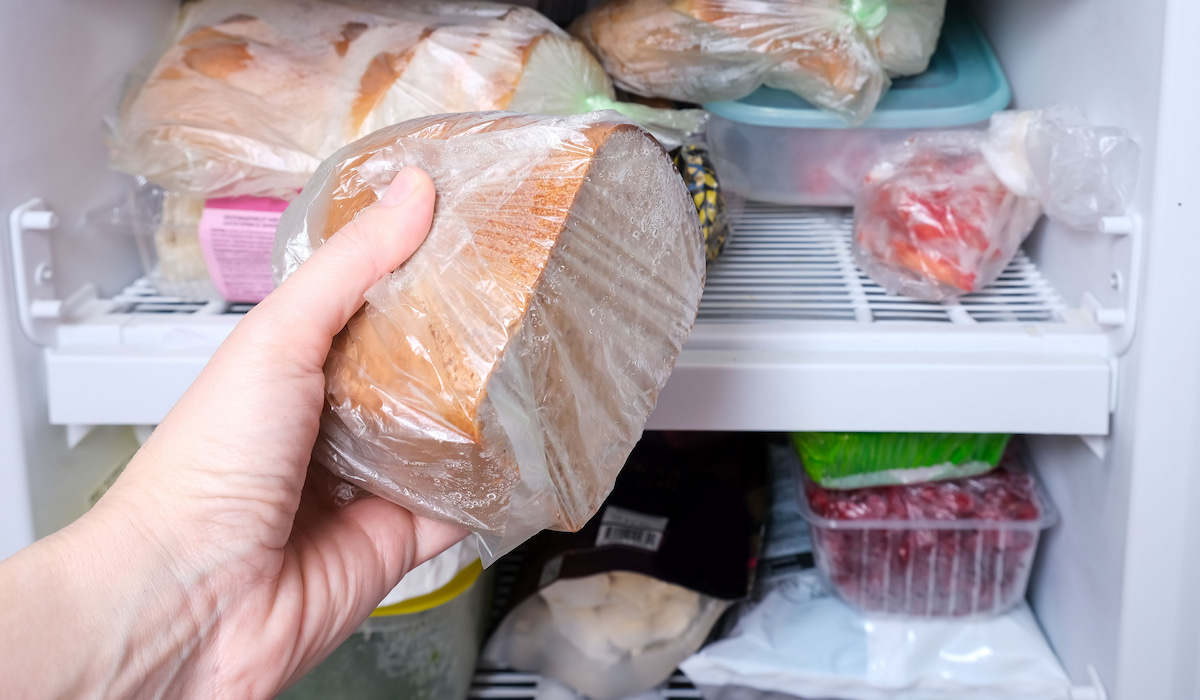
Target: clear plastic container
{"x":773,"y":146}
{"x":908,"y":551}
{"x":419,"y":649}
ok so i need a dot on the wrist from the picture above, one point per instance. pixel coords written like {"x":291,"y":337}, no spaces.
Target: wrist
{"x":104,"y":612}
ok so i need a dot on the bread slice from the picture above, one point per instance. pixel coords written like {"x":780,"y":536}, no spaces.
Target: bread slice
{"x":501,"y":376}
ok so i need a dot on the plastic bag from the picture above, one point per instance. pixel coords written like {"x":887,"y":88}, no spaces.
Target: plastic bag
{"x":797,"y":644}
{"x":695,"y":165}
{"x":228,"y":108}
{"x":857,"y":460}
{"x":909,"y":35}
{"x":501,"y":376}
{"x":714,"y":50}
{"x":942,"y":214}
{"x":1079,"y":173}
{"x":613,"y":609}
{"x":793,"y":639}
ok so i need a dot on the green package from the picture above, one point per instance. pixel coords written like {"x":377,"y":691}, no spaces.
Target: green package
{"x":857,"y":460}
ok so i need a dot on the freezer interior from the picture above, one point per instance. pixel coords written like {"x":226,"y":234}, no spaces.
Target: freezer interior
{"x":1087,"y":350}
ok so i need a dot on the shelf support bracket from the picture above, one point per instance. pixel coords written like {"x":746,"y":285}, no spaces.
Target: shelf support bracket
{"x":39,"y":307}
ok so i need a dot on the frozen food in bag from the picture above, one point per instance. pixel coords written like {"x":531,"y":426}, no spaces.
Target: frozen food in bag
{"x":856,"y":460}
{"x":500,"y":377}
{"x":248,"y":97}
{"x":909,"y":35}
{"x":943,"y":213}
{"x":715,"y":50}
{"x":612,"y":609}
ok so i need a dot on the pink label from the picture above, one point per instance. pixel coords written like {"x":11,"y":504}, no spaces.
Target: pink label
{"x":236,"y":236}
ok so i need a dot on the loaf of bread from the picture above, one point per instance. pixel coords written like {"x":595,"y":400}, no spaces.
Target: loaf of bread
{"x":714,"y":50}
{"x":250,"y":95}
{"x":501,"y":376}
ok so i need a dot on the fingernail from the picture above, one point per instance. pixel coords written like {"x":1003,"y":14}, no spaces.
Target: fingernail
{"x":402,"y":186}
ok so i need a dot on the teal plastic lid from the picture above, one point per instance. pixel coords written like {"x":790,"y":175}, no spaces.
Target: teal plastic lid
{"x":963,"y":85}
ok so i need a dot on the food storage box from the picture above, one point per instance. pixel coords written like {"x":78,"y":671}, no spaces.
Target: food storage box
{"x":857,"y":460}
{"x":961,"y":548}
{"x":419,"y":649}
{"x":773,"y":146}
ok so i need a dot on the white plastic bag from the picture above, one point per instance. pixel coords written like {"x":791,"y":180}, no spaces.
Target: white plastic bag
{"x":609,"y":636}
{"x":801,"y":642}
{"x":909,"y":35}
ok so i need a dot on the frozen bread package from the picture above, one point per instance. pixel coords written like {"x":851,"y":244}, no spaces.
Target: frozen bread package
{"x":943,"y":213}
{"x":836,"y":54}
{"x":499,"y":378}
{"x":249,"y":96}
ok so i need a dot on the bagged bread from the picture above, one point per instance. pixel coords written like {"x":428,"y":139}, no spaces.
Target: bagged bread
{"x":500,"y":377}
{"x":250,"y":95}
{"x":714,"y":50}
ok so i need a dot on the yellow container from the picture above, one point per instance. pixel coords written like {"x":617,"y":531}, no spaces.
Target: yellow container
{"x":424,"y":648}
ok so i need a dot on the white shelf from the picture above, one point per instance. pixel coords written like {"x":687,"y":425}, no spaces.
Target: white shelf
{"x":790,"y":336}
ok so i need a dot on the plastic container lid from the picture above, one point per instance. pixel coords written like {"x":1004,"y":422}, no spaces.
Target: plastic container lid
{"x":460,"y":583}
{"x":963,"y":85}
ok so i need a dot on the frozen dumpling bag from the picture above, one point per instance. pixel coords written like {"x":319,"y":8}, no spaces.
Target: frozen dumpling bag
{"x":499,"y":378}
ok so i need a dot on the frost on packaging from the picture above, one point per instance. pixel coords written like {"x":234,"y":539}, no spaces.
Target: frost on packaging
{"x":501,"y":376}
{"x":942,"y":214}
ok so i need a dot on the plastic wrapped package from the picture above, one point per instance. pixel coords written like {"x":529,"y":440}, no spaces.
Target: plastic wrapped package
{"x":794,"y":639}
{"x":714,"y":50}
{"x":500,"y":377}
{"x":932,"y":221}
{"x":942,"y":214}
{"x":909,"y":35}
{"x":959,"y":548}
{"x":611,"y":610}
{"x":856,"y":460}
{"x":420,"y":644}
{"x":226,"y":110}
{"x":773,"y":146}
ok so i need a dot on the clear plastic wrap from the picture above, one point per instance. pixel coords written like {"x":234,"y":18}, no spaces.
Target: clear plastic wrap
{"x":942,"y":214}
{"x":932,"y":221}
{"x":714,"y":50}
{"x":909,"y":35}
{"x":856,"y":460}
{"x":501,"y":376}
{"x":228,"y":108}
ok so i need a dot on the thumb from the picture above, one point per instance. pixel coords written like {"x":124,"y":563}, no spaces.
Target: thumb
{"x":325,"y":291}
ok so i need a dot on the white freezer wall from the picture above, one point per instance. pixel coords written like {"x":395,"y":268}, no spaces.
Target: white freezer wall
{"x":1116,"y":582}
{"x":63,"y":64}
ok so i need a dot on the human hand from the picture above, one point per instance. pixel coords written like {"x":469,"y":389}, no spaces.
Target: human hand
{"x":204,"y":571}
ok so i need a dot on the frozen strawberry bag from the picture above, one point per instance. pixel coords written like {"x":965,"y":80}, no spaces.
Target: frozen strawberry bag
{"x":942,"y":214}
{"x":932,"y":220}
{"x":959,"y":548}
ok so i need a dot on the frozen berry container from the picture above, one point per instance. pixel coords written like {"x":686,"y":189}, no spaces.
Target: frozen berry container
{"x":958,"y":548}
{"x":773,"y":146}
